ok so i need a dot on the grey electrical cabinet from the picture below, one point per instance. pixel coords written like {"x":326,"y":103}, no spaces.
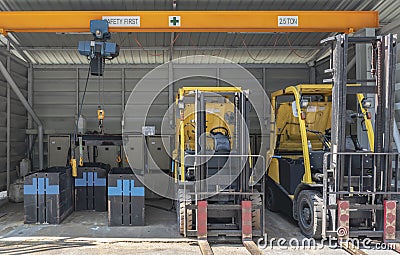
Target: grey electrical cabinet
{"x":108,"y":155}
{"x":147,"y":154}
{"x":58,"y":150}
{"x":134,"y":151}
{"x":159,"y":151}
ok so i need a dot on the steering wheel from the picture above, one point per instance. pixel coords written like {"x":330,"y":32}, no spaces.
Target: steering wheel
{"x":212,"y":131}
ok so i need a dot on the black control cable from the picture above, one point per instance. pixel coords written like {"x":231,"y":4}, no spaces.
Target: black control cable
{"x":81,"y":104}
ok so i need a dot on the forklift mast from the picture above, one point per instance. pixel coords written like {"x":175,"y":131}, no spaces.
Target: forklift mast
{"x":215,"y":197}
{"x":368,"y":191}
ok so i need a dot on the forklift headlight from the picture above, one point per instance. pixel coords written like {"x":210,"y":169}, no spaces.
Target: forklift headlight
{"x":181,"y":105}
{"x":366,"y":104}
{"x":303,"y":103}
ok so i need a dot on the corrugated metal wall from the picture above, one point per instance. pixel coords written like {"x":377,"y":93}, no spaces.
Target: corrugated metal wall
{"x":397,"y":88}
{"x":55,"y":96}
{"x":18,"y":121}
{"x":397,"y":93}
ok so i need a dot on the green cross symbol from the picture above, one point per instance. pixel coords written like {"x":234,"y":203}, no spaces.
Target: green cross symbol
{"x":174,"y":21}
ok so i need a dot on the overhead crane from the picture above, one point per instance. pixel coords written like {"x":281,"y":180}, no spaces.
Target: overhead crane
{"x":189,"y":21}
{"x":183,"y":21}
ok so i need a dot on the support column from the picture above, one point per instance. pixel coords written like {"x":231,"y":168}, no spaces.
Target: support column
{"x":264,"y":84}
{"x":77,"y":92}
{"x":8,"y":62}
{"x":30,"y":122}
{"x":265,"y":111}
{"x":218,"y":77}
{"x":122,"y":93}
{"x":312,"y":73}
{"x":171,"y":76}
{"x":170,"y":92}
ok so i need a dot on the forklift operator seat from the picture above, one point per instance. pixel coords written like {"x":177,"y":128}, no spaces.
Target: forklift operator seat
{"x":318,"y":118}
{"x":221,"y":143}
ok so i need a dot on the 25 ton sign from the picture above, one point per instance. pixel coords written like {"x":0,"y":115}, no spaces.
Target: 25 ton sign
{"x":288,"y":21}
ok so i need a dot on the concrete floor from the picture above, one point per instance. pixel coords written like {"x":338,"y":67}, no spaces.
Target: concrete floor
{"x":160,"y":224}
{"x":88,"y":233}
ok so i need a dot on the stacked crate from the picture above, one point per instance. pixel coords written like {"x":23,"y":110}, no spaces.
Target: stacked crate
{"x":48,"y":196}
{"x":91,"y":187}
{"x":125,"y":198}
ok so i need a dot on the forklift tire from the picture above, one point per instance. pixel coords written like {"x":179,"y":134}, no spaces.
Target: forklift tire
{"x":181,"y":204}
{"x":270,"y":198}
{"x":309,"y":211}
{"x":256,"y":213}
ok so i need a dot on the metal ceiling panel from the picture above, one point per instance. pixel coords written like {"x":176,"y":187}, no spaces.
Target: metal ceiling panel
{"x":153,"y":48}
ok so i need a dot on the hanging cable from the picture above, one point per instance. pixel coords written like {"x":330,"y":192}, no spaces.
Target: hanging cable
{"x":176,"y":38}
{"x":140,"y":45}
{"x":294,"y":51}
{"x":81,"y":104}
{"x":100,"y":110}
{"x":276,"y":39}
{"x":102,"y":91}
{"x":249,"y":53}
{"x":191,"y":41}
{"x":154,"y":55}
{"x":73,"y":161}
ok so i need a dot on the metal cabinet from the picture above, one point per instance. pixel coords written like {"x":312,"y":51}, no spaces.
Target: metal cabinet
{"x":58,"y":150}
{"x":108,"y":155}
{"x":159,"y":152}
{"x":134,"y":151}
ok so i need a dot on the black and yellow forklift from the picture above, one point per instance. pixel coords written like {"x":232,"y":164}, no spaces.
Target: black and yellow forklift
{"x":332,"y":166}
{"x":213,"y":165}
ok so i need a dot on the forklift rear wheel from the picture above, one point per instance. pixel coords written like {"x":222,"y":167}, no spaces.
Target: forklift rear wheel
{"x":270,"y":198}
{"x":309,"y":212}
{"x":256,"y":213}
{"x":183,"y":200}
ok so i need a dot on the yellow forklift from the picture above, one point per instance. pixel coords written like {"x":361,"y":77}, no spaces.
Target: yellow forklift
{"x":213,"y":165}
{"x":301,"y":128}
{"x":332,"y":167}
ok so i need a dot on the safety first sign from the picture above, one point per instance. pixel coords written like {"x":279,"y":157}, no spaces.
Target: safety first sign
{"x":123,"y":21}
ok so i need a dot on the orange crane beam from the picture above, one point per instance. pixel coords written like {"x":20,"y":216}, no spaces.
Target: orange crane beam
{"x":190,"y":21}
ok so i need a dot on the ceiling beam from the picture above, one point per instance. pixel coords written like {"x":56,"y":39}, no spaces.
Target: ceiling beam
{"x":151,"y":66}
{"x":17,"y":48}
{"x":321,"y":52}
{"x":190,"y":48}
{"x":192,"y":21}
{"x":5,"y":52}
{"x":391,"y":27}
